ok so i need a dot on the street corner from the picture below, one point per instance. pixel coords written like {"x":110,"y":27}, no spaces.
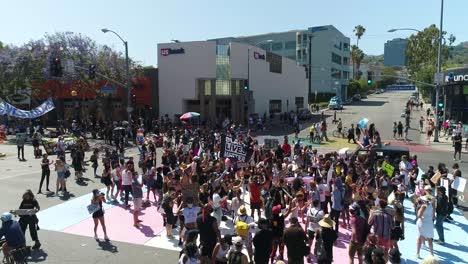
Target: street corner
{"x":413,"y":146}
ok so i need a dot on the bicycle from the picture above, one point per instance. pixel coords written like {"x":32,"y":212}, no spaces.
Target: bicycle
{"x":343,"y":133}
{"x":17,"y":255}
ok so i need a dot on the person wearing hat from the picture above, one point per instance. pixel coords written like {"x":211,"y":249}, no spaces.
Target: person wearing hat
{"x":325,"y":238}
{"x":12,"y":233}
{"x":425,"y":223}
{"x":262,"y":242}
{"x":236,"y":256}
{"x":441,"y":213}
{"x":243,"y":222}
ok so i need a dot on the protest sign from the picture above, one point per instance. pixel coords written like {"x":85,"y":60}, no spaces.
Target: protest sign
{"x":459,"y":184}
{"x":389,"y":169}
{"x":234,"y":150}
{"x":445,"y":182}
{"x":436,"y":177}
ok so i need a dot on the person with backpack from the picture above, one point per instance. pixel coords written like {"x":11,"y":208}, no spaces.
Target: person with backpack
{"x":244,"y":224}
{"x":236,"y":256}
{"x":314,"y":215}
{"x":359,"y":232}
{"x":325,"y":238}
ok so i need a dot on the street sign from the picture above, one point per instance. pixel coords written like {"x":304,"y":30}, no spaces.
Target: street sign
{"x":438,"y":77}
{"x":108,"y":90}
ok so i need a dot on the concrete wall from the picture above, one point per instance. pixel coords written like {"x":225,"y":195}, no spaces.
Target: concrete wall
{"x":266,"y":85}
{"x":178,"y":73}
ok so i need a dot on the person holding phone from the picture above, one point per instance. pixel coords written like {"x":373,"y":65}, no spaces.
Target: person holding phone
{"x":98,"y":216}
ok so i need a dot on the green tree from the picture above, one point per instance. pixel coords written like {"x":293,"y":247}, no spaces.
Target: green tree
{"x":359,"y":31}
{"x":387,"y":77}
{"x":422,"y":51}
{"x":354,"y":87}
{"x":357,"y":55}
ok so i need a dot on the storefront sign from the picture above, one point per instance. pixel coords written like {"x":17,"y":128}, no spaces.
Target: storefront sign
{"x":259,"y":56}
{"x":167,"y":51}
{"x":456,"y":78}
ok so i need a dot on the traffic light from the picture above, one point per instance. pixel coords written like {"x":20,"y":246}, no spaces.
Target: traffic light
{"x":441,"y":101}
{"x":246,"y":85}
{"x":55,"y":67}
{"x":369,"y":78}
{"x":92,"y":71}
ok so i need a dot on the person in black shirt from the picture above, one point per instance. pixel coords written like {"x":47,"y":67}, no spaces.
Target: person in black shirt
{"x":29,"y":202}
{"x":457,"y":146}
{"x":45,"y":163}
{"x":209,"y":232}
{"x":441,"y":213}
{"x":295,"y":240}
{"x":262,"y":242}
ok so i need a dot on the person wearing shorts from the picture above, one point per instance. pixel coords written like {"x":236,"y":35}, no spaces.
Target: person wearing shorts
{"x":255,"y":196}
{"x":137,"y":194}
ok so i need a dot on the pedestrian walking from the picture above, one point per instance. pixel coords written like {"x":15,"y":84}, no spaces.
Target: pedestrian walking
{"x":127,"y":178}
{"x":325,"y":237}
{"x":137,"y":195}
{"x":351,"y":134}
{"x":359,"y":233}
{"x":20,"y":140}
{"x":358,"y":132}
{"x":400,"y":129}
{"x":98,"y":215}
{"x":295,"y":240}
{"x":62,"y":168}
{"x":394,"y":130}
{"x":457,"y":146}
{"x":45,"y":172}
{"x":425,"y":224}
{"x":106,"y":179}
{"x":94,"y":159}
{"x":441,"y":213}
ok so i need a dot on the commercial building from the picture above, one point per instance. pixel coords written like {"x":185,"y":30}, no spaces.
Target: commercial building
{"x":455,"y":95}
{"x":395,"y":52}
{"x":230,"y":80}
{"x":330,"y":56}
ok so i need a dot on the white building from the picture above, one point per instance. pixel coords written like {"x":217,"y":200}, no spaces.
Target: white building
{"x":330,"y":56}
{"x":231,"y":80}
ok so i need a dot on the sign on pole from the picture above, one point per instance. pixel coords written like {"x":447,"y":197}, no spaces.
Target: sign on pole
{"x":438,"y":78}
{"x":69,"y":66}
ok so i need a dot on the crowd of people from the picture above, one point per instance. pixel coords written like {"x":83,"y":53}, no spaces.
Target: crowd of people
{"x":291,"y":197}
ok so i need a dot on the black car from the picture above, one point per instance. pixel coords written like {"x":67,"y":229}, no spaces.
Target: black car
{"x":393,"y":152}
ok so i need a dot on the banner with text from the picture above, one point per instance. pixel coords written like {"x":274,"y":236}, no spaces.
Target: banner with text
{"x":235,"y":150}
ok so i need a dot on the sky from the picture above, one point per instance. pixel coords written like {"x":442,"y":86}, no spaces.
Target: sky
{"x":144,"y":23}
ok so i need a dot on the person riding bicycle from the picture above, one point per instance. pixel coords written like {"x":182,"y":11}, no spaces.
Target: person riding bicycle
{"x":12,"y":232}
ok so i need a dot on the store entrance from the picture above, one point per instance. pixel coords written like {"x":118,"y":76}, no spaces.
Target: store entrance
{"x":223,"y":109}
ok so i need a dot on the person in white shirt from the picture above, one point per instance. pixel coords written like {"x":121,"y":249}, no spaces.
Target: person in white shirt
{"x":115,"y":174}
{"x":127,"y":178}
{"x":405,"y":168}
{"x":314,"y":215}
{"x":323,"y":190}
{"x":190,"y":214}
{"x":217,"y":201}
{"x":236,"y":203}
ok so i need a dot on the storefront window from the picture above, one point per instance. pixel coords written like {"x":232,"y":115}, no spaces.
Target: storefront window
{"x":223,"y":87}
{"x":207,"y":87}
{"x":275,"y":106}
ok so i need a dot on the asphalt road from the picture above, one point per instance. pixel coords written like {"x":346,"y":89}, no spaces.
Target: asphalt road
{"x":16,"y":177}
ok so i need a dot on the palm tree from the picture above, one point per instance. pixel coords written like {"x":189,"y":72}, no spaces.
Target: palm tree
{"x":359,"y":31}
{"x":357,"y":55}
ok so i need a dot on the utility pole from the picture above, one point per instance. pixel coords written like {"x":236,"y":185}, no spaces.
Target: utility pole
{"x":309,"y":69}
{"x":439,"y":71}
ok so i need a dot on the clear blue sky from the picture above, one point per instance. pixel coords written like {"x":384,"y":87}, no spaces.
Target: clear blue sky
{"x":144,"y":23}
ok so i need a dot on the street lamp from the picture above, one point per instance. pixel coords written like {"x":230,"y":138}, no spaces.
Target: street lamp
{"x":400,"y":29}
{"x":439,"y":67}
{"x":127,"y":73}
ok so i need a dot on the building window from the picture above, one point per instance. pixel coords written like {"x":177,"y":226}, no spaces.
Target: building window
{"x":299,"y":39}
{"x":304,"y":38}
{"x":346,"y":75}
{"x":290,"y":45}
{"x":223,"y":87}
{"x":265,"y":46}
{"x":207,"y":87}
{"x":345,"y":61}
{"x":299,"y":55}
{"x":346,"y":46}
{"x":277,"y":46}
{"x":222,"y":50}
{"x":275,"y":106}
{"x":276,"y":62}
{"x":335,"y":73}
{"x":336,"y":58}
{"x":300,"y":102}
{"x":304,"y":54}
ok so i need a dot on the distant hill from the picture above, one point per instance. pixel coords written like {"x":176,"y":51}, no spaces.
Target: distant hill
{"x":373,"y":60}
{"x":459,"y":54}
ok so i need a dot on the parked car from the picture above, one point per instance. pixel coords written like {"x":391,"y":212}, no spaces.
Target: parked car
{"x":363,"y":96}
{"x":304,"y":114}
{"x":357,"y":97}
{"x":382,"y":90}
{"x":335,"y":104}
